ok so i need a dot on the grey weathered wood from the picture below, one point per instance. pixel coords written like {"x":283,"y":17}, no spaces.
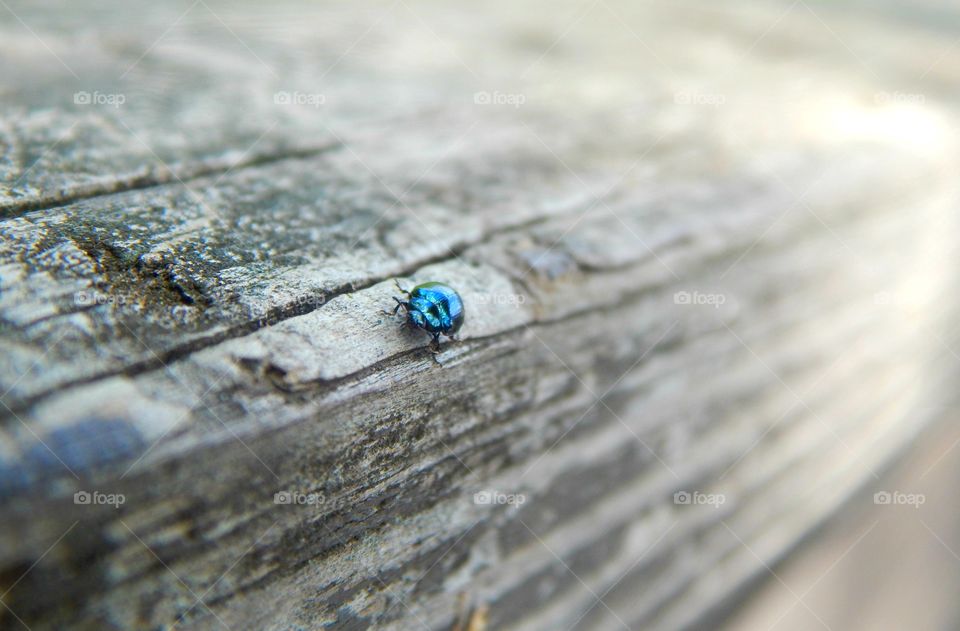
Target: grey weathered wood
{"x":192,"y":285}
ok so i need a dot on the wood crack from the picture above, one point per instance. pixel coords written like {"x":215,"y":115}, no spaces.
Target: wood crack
{"x":153,"y":177}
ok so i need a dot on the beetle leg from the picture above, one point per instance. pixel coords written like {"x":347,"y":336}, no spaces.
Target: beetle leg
{"x":435,"y":345}
{"x":400,"y":303}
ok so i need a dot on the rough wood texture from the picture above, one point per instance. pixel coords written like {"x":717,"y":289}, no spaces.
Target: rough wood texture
{"x":191,"y":286}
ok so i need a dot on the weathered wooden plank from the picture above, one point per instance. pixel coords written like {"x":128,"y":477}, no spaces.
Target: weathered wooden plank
{"x":201,"y":336}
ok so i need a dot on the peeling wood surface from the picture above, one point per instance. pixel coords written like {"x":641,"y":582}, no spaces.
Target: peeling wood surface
{"x":709,"y":252}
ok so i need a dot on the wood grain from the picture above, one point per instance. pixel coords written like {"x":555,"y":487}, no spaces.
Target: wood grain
{"x":703,"y":250}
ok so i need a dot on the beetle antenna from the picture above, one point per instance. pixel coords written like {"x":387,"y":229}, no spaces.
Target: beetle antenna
{"x":396,"y":282}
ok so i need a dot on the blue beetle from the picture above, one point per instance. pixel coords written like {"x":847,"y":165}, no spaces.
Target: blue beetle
{"x":434,"y":307}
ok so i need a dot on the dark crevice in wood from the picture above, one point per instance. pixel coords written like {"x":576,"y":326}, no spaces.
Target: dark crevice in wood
{"x":181,"y":173}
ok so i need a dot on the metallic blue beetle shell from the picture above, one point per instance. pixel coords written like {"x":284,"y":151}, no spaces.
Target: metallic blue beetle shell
{"x":435,"y":308}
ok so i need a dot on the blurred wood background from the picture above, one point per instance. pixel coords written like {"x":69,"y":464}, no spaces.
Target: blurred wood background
{"x":874,"y":566}
{"x":707,"y":253}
